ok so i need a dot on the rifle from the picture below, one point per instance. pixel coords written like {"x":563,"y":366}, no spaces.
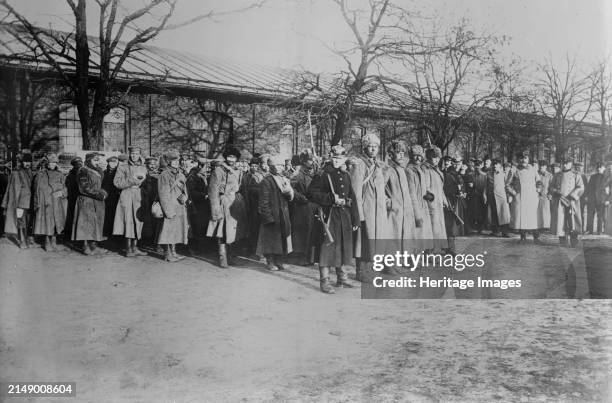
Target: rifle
{"x":328,"y":239}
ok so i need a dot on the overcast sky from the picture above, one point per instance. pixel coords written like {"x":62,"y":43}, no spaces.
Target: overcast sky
{"x":289,"y":33}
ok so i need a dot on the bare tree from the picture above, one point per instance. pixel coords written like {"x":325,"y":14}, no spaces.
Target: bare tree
{"x":602,"y":105}
{"x":120,"y":34}
{"x":447,"y":78}
{"x":566,"y":97}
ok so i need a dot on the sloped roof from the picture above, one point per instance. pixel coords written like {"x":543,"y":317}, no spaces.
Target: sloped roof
{"x":181,"y":69}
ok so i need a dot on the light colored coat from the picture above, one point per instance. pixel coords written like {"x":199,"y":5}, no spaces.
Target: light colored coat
{"x":175,"y":225}
{"x":417,"y":182}
{"x":368,"y":179}
{"x":498,"y":190}
{"x":570,"y":185}
{"x":129,"y":213}
{"x":18,"y":195}
{"x":434,"y":178}
{"x":521,"y":184}
{"x":404,"y":209}
{"x":227,"y":205}
{"x":544,"y":202}
{"x":50,"y":202}
{"x":88,"y":223}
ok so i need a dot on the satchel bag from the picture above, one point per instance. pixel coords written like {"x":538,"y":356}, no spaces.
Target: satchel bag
{"x":156,"y":210}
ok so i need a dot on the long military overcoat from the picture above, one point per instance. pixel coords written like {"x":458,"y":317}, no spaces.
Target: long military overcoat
{"x":404,"y":209}
{"x":435,"y":182}
{"x":129,"y":214}
{"x":175,"y":225}
{"x":302,"y":212}
{"x":570,"y":185}
{"x":522,"y":185}
{"x":228,"y":218}
{"x":543,"y":200}
{"x":50,"y":202}
{"x":18,"y":195}
{"x":88,"y":222}
{"x":275,"y":229}
{"x":417,"y":182}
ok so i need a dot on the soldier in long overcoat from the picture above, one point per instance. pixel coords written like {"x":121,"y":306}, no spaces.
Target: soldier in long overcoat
{"x":499,"y":209}
{"x":435,"y":197}
{"x":50,"y":202}
{"x":417,"y":182}
{"x":331,"y":189}
{"x":595,"y":197}
{"x":129,"y":213}
{"x":302,"y":210}
{"x":227,"y":208}
{"x":16,"y":202}
{"x":250,"y":190}
{"x":173,"y":197}
{"x":477,"y":197}
{"x":368,"y":178}
{"x":72,"y":186}
{"x":566,"y":188}
{"x":113,"y":195}
{"x":274,"y":238}
{"x":199,"y":206}
{"x":521,"y":184}
{"x":4,"y":180}
{"x":150,"y":224}
{"x":404,"y":215}
{"x":89,"y":208}
{"x":453,"y":190}
{"x":543,"y":196}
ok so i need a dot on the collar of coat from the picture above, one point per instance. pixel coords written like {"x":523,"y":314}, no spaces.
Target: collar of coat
{"x":138,"y":162}
{"x":226,"y":167}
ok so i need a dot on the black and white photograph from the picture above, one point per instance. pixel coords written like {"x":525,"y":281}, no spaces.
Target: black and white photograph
{"x":305,"y":201}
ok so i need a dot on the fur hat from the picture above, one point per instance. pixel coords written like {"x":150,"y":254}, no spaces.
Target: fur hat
{"x":171,"y":155}
{"x":416,"y":150}
{"x":229,"y":150}
{"x":122,"y":157}
{"x":52,"y":157}
{"x":306,"y":155}
{"x":370,"y":139}
{"x":276,"y":160}
{"x":397,"y":146}
{"x":433,"y":151}
{"x":337,"y":151}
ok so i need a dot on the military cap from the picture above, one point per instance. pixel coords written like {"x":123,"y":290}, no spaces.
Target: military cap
{"x":599,"y":164}
{"x":397,"y":146}
{"x":112,"y":158}
{"x":306,"y":155}
{"x":255,"y":160}
{"x":276,"y":160}
{"x":554,"y":165}
{"x":229,"y":150}
{"x":149,"y":159}
{"x":337,"y":151}
{"x":434,"y":151}
{"x":524,"y":153}
{"x":92,"y":155}
{"x":122,"y":157}
{"x":370,"y":139}
{"x":171,"y":155}
{"x":417,"y":150}
{"x":134,"y":148}
{"x":578,"y":164}
{"x":26,"y":157}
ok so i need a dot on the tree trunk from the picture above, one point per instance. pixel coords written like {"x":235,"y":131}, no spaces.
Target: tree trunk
{"x":12,"y":115}
{"x":82,"y":76}
{"x":342,"y":123}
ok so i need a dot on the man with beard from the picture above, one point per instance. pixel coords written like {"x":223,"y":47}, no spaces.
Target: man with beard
{"x":543,"y":196}
{"x":522,"y":186}
{"x":16,"y":202}
{"x":331,"y":189}
{"x":404,"y":212}
{"x":435,"y":197}
{"x":368,"y":178}
{"x":302,"y":211}
{"x":417,"y":183}
{"x":250,"y":190}
{"x":150,"y":224}
{"x":128,"y":216}
{"x":113,"y":195}
{"x":453,"y":191}
{"x":499,"y":209}
{"x":227,"y":208}
{"x":566,"y":189}
{"x":274,"y":238}
{"x":89,"y":209}
{"x":50,"y":202}
{"x":595,"y":197}
{"x":199,"y":208}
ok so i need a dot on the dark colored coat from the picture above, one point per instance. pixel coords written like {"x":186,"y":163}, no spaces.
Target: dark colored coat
{"x":129,"y":213}
{"x":18,"y":195}
{"x":199,"y":208}
{"x":175,"y":226}
{"x":275,"y":229}
{"x":453,"y":187}
{"x":50,"y":202}
{"x":150,"y":224}
{"x":341,"y":219}
{"x":89,"y":208}
{"x":434,"y":178}
{"x":250,"y":190}
{"x":595,"y":192}
{"x":302,"y":212}
{"x":72,"y":188}
{"x":477,"y":197}
{"x":111,"y":200}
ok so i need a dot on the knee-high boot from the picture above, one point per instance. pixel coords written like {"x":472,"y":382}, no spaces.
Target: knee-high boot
{"x":324,"y":280}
